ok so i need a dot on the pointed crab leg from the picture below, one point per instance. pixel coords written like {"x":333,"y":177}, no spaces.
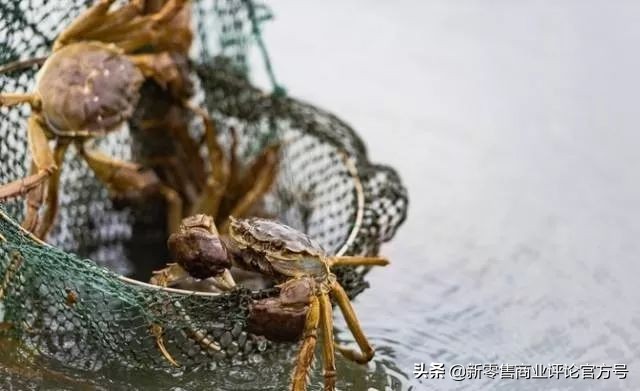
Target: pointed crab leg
{"x":366,"y":350}
{"x":140,"y":30}
{"x":21,"y":64}
{"x":160,"y":67}
{"x":213,"y":192}
{"x":42,"y":158}
{"x":328,"y":352}
{"x":126,"y":27}
{"x":51,"y":199}
{"x":33,"y":201}
{"x":307,"y":349}
{"x":124,"y":178}
{"x":85,"y":22}
{"x":12,"y":99}
{"x":357,"y":261}
{"x":180,"y":131}
{"x":157,"y":332}
{"x":111,"y":22}
{"x":266,"y":167}
{"x":169,"y":276}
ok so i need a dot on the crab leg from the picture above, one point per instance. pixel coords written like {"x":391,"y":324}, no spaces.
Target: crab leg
{"x":112,"y":21}
{"x":257,"y":181}
{"x":170,"y":9}
{"x":211,"y":197}
{"x":266,"y":167}
{"x":157,"y":332}
{"x":170,"y":275}
{"x":125,"y":178}
{"x":21,"y":64}
{"x":366,"y":350}
{"x":176,"y":34}
{"x":32,"y":204}
{"x":125,"y":27}
{"x":175,"y":175}
{"x":35,"y":197}
{"x":180,"y":131}
{"x":328,"y":352}
{"x":139,"y":30}
{"x":12,"y":99}
{"x":231,"y":184}
{"x":186,"y":171}
{"x":159,"y":66}
{"x":150,"y":6}
{"x":117,"y":25}
{"x":85,"y":22}
{"x":233,"y":158}
{"x":52,"y":192}
{"x":307,"y":349}
{"x":42,"y":159}
{"x":357,"y":261}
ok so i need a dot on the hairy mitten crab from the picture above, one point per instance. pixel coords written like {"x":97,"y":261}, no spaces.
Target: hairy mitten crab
{"x":302,"y":270}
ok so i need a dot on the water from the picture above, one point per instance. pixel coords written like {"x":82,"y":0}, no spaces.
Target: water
{"x":513,"y":125}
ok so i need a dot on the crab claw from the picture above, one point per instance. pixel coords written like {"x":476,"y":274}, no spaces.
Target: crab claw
{"x":224,"y":281}
{"x":198,"y":249}
{"x":282,"y":318}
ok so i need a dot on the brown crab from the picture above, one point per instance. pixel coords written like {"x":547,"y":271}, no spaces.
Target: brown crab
{"x":88,"y":87}
{"x":199,"y":253}
{"x":300,"y":267}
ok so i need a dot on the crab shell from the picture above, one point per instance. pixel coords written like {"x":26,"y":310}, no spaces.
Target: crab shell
{"x":88,"y":89}
{"x":275,"y":249}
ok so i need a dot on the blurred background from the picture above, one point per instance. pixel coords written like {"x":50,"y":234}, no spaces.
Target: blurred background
{"x":514,"y":127}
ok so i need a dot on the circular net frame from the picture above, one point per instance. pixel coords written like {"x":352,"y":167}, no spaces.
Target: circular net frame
{"x":69,"y":299}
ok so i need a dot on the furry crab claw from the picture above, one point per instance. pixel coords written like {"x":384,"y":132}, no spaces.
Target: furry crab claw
{"x":282,"y":318}
{"x":197,"y":248}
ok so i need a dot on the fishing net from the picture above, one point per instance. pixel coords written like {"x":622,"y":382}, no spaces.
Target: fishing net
{"x":69,"y":299}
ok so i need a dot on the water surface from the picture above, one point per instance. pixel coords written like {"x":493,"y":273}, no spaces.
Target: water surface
{"x":515,"y":127}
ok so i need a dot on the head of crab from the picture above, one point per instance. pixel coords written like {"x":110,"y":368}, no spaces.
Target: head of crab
{"x":87,"y":88}
{"x":271,"y":246}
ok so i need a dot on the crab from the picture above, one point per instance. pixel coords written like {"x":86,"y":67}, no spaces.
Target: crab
{"x":89,"y":87}
{"x":199,"y":254}
{"x":160,"y":123}
{"x":161,"y":116}
{"x":302,"y":270}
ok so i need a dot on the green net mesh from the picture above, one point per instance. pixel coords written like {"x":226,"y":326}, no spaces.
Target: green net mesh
{"x":83,"y":312}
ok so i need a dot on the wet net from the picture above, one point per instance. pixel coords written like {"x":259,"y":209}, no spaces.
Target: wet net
{"x":70,"y":299}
